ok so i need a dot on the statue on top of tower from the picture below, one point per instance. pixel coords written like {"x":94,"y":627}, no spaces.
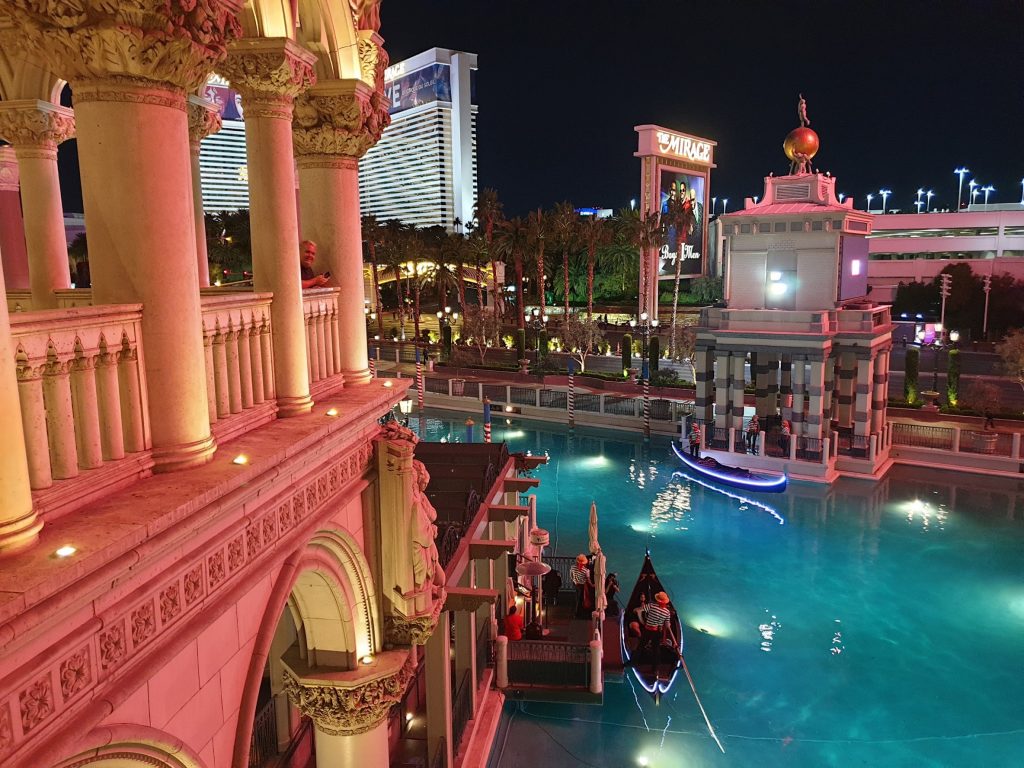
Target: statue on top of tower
{"x":801,"y":145}
{"x":801,"y":111}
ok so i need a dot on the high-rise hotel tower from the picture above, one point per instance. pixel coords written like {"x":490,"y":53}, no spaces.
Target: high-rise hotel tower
{"x":423,"y":171}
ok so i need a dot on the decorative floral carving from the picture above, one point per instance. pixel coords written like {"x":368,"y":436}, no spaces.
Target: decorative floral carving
{"x":236,"y":554}
{"x":112,"y":646}
{"x":298,"y":506}
{"x":194,"y":586}
{"x":311,"y":498}
{"x":170,"y":604}
{"x":416,"y":630}
{"x":365,"y":14}
{"x":215,"y":567}
{"x":269,"y":528}
{"x":284,"y":514}
{"x":252,"y":540}
{"x":269,"y":74}
{"x":334,"y":480}
{"x":343,"y":121}
{"x":75,"y":673}
{"x":322,"y":489}
{"x":36,"y":124}
{"x":143,"y":623}
{"x":6,"y":732}
{"x":36,"y":703}
{"x":167,"y":41}
{"x":348,"y":711}
{"x":203,"y":119}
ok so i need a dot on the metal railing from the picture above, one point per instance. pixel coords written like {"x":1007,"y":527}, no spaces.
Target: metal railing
{"x":553,"y":398}
{"x":545,"y":662}
{"x":620,"y":406}
{"x":462,"y":708}
{"x":497,"y":392}
{"x":857,"y":446}
{"x":988,"y":443}
{"x":588,"y":402}
{"x":437,"y":761}
{"x":263,"y":745}
{"x":717,"y":438}
{"x":435,"y":385}
{"x":483,"y":649}
{"x":809,"y":448}
{"x":922,"y":436}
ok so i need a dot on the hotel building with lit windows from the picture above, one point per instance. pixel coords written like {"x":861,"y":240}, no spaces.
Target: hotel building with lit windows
{"x":423,"y":171}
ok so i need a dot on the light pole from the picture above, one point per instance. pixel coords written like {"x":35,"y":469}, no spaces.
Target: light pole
{"x":972,"y":185}
{"x":885,"y":197}
{"x":986,"y":285}
{"x":961,"y":172}
{"x":714,"y":204}
{"x":725,"y":202}
{"x":870,"y":198}
{"x":945,"y":280}
{"x":987,"y":190}
{"x":929,"y":195}
{"x":1022,"y":191}
{"x":841,"y":196}
{"x":918,"y":204}
{"x":756,"y":198}
{"x":537,"y":322}
{"x":646,"y":325}
{"x":445,"y":320}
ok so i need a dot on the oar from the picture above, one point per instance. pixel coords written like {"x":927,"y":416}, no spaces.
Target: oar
{"x":711,"y":728}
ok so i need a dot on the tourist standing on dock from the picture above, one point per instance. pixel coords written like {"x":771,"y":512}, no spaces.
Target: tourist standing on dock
{"x":580,"y":576}
{"x":753,"y":430}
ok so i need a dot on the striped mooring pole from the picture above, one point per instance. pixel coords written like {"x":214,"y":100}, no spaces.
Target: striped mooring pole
{"x":469,"y":430}
{"x":419,"y":379}
{"x":572,"y":394}
{"x":373,"y":368}
{"x":487,"y":419}
{"x":647,"y":402}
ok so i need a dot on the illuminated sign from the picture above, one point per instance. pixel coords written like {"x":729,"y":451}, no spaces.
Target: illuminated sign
{"x":688,"y":148}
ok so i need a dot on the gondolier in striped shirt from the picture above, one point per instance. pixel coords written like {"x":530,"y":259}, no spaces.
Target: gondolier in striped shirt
{"x":656,"y":620}
{"x":579,"y":574}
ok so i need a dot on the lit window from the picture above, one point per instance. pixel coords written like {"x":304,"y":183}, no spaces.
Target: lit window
{"x":855,"y":267}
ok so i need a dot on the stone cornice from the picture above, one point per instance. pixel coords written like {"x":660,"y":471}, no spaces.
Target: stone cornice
{"x":35,"y":124}
{"x":347,"y":703}
{"x":176,"y":42}
{"x":341,"y":118}
{"x":203,"y":119}
{"x":269,"y":73}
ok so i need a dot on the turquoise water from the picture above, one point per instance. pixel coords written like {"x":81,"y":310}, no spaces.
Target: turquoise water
{"x":866,"y":624}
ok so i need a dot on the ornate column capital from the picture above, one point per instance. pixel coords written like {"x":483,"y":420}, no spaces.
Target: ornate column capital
{"x":35,"y":126}
{"x":339,"y":120}
{"x":269,"y":73}
{"x":347,"y":703}
{"x":373,"y":59}
{"x":176,"y":42}
{"x":10,"y":178}
{"x":203,"y":119}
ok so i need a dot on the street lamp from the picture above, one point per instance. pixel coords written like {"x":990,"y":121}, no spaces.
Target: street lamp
{"x":928,"y":196}
{"x":987,"y":190}
{"x":986,"y":285}
{"x":885,"y":197}
{"x":870,"y":198}
{"x":961,"y":172}
{"x":647,"y":325}
{"x":725,"y":201}
{"x":1022,"y":191}
{"x":537,"y":322}
{"x":714,"y":204}
{"x":918,"y":204}
{"x":841,"y":196}
{"x":973,"y":186}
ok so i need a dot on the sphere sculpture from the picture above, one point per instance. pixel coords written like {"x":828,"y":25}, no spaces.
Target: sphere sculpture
{"x":800,"y":146}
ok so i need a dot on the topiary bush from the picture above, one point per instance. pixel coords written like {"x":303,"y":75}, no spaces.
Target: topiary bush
{"x":910,"y":384}
{"x":627,"y":352}
{"x":654,"y":354}
{"x":953,"y":377}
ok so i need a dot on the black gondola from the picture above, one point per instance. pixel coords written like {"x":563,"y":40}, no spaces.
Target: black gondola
{"x":654,"y":662}
{"x":738,"y":477}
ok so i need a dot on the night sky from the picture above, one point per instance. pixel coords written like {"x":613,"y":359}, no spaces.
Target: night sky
{"x":901,"y":92}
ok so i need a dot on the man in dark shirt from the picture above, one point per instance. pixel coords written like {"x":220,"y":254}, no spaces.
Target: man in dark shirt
{"x":310,"y":279}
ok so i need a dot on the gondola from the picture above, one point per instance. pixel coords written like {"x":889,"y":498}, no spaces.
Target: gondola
{"x":737,"y":477}
{"x":655,"y":665}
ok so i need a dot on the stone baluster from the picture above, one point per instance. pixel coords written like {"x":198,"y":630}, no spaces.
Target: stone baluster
{"x":85,"y":407}
{"x":60,"y":419}
{"x":313,"y":345}
{"x":108,"y":399}
{"x":234,"y":377}
{"x":132,"y":406}
{"x":335,"y":124}
{"x":256,"y":361}
{"x":267,"y":356}
{"x":220,"y":373}
{"x":33,"y":422}
{"x":323,"y":342}
{"x":269,"y":73}
{"x":336,"y":341}
{"x":244,"y":363}
{"x":211,"y":375}
{"x":203,"y":120}
{"x":328,"y":333}
{"x":35,"y":128}
{"x":130,"y":71}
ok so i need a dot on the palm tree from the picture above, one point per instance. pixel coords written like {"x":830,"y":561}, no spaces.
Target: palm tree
{"x":535,"y":225}
{"x":372,"y":234}
{"x":488,"y":213}
{"x":595,"y":234}
{"x":393,"y":251}
{"x":648,"y":236}
{"x":511,"y":242}
{"x":454,"y":252}
{"x":565,"y":224}
{"x":477,"y":246}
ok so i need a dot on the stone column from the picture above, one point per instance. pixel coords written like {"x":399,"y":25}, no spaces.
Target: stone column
{"x":759,"y":372}
{"x":130,"y":66}
{"x":862,"y":397}
{"x":349,"y":708}
{"x":439,"y":692}
{"x":846,"y":372}
{"x":19,"y":526}
{"x":722,"y":398}
{"x":35,"y":128}
{"x":773,"y":384}
{"x":335,"y":124}
{"x":203,"y":119}
{"x":798,"y":396}
{"x":739,"y":381}
{"x":879,"y":396}
{"x":816,"y":426}
{"x":12,"y":228}
{"x":269,"y":73}
{"x":703,"y":404}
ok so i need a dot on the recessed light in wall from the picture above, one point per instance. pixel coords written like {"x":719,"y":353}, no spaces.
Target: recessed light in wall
{"x":240,"y":459}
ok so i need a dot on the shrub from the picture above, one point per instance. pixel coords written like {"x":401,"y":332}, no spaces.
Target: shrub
{"x":910,"y":384}
{"x":627,"y":352}
{"x":953,"y":377}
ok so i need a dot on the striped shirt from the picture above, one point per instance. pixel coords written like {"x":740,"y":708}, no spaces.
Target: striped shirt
{"x":657,"y":615}
{"x":579,"y":574}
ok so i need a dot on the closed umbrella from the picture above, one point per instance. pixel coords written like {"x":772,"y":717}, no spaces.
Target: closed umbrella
{"x":600,"y":599}
{"x":595,"y":547}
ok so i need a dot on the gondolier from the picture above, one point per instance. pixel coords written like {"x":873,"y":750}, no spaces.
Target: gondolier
{"x":657,"y":618}
{"x":695,"y":440}
{"x":579,"y":574}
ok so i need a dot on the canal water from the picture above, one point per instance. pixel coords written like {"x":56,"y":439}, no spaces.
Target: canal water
{"x":862,"y":624}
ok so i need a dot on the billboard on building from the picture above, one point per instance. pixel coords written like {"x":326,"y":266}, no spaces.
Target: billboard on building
{"x":430,"y":83}
{"x":218,"y":91}
{"x":681,"y":202}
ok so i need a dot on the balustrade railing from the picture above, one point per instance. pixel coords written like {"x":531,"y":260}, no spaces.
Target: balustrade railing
{"x":462,"y":708}
{"x":483,"y":650}
{"x":239,"y":352}
{"x":922,"y":436}
{"x":81,"y":387}
{"x":263,"y":746}
{"x":542,"y":662}
{"x":323,"y":335}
